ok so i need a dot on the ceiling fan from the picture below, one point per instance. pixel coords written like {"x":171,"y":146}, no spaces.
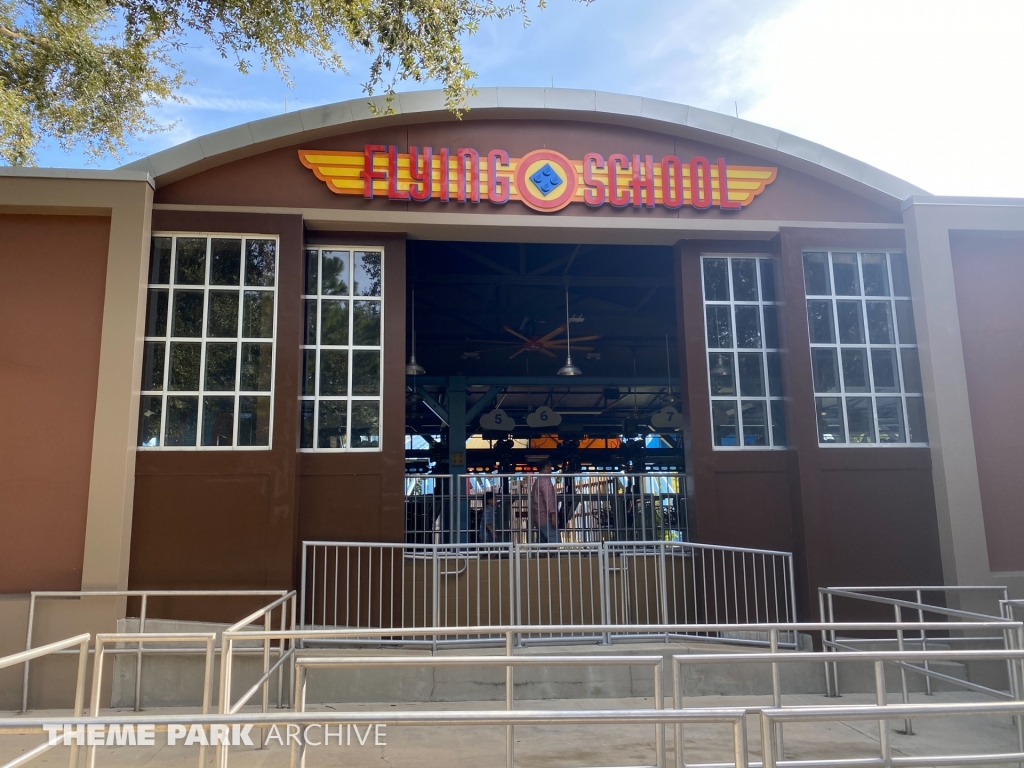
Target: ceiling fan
{"x":546,"y":343}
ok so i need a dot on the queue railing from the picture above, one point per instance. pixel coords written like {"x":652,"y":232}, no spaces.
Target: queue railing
{"x":356,"y":584}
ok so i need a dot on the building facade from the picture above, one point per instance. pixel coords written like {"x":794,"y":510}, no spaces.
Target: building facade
{"x":237,"y":309}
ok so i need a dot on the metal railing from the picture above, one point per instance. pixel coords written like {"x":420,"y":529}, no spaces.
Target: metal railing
{"x":917,"y":607}
{"x":591,"y":508}
{"x":82,"y":641}
{"x":901,"y":659}
{"x":770,"y":718}
{"x":774,"y":658}
{"x":1010,"y":609}
{"x":351,"y":584}
{"x":731,"y":716}
{"x":239,"y":637}
{"x":208,"y":639}
{"x":138,"y":651}
{"x":508,"y":661}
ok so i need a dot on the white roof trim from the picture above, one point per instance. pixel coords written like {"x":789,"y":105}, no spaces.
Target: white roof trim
{"x":248,"y":139}
{"x":119,"y":174}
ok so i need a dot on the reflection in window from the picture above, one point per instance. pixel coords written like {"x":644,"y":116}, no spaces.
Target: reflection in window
{"x":208,"y":356}
{"x":342,"y":349}
{"x":864,"y":357}
{"x":744,"y":361}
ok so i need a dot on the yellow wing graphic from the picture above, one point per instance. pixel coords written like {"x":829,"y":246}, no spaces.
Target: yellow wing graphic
{"x":341,"y":172}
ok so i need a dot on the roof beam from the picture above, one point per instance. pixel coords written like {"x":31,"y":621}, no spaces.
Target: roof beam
{"x":545,"y":282}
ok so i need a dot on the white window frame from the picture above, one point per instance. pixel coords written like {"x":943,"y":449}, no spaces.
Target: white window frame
{"x":842,"y":395}
{"x":732,"y":303}
{"x":204,"y":339}
{"x":316,"y":399}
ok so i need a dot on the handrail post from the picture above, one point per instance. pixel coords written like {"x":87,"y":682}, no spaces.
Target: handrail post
{"x":224,"y":704}
{"x":677,"y":704}
{"x":773,"y":635}
{"x":302,"y":584}
{"x":513,"y":565}
{"x":518,"y":622}
{"x":28,"y":647}
{"x":924,"y":644}
{"x":436,"y":589}
{"x":510,"y":740}
{"x":298,"y":705}
{"x":138,"y":655}
{"x":659,"y":703}
{"x":97,"y":684}
{"x":268,"y":625}
{"x":291,"y":647}
{"x":835,"y":666}
{"x":604,"y":564}
{"x":83,"y":663}
{"x":207,"y":684}
{"x":908,"y":726}
{"x":739,"y":741}
{"x":824,"y":644}
{"x":663,"y":604}
{"x":792,"y":593}
{"x":1018,"y":683}
{"x":880,"y":700}
{"x":768,"y":745}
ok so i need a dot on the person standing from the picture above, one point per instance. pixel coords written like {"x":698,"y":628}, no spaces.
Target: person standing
{"x":544,"y":507}
{"x":486,"y":535}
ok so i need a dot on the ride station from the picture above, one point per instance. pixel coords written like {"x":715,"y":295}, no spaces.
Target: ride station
{"x":574,"y":359}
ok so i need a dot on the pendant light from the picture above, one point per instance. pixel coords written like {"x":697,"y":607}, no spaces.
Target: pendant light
{"x":414,"y":368}
{"x":568,"y":369}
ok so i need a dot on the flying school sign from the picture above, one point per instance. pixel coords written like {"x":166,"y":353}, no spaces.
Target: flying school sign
{"x":543,"y":179}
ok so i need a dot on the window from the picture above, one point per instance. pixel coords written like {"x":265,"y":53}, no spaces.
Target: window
{"x":208,"y":361}
{"x":864,"y":357}
{"x":342,"y":349}
{"x":744,"y":362}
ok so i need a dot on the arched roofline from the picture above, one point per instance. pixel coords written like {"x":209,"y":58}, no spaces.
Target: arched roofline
{"x":413,"y":107}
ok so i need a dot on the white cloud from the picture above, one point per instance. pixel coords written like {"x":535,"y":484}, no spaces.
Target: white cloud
{"x":224,"y":103}
{"x":929,"y":91}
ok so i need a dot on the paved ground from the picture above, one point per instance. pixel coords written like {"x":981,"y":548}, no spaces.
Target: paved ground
{"x":544,"y":746}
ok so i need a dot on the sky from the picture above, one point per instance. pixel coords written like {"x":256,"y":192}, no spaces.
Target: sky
{"x":931,"y":91}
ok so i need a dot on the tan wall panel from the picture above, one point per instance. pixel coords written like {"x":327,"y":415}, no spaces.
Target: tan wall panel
{"x":52,"y":273}
{"x":988,"y":270}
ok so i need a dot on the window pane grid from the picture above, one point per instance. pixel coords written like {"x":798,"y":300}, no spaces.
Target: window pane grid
{"x":342,"y":367}
{"x":743,"y":348}
{"x":213,"y":413}
{"x":880,"y":410}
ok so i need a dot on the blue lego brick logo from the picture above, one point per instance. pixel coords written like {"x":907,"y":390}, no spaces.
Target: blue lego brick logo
{"x":546,"y":178}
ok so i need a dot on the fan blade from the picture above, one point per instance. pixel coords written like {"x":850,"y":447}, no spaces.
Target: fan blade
{"x":587,"y":338}
{"x":514,"y":332}
{"x":551,"y":335}
{"x":517,"y":354}
{"x":544,"y":351}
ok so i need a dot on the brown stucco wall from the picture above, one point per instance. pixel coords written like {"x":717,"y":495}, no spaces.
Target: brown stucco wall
{"x":277,"y":178}
{"x":988,"y":270}
{"x":226,"y":519}
{"x":52,"y":275}
{"x":850,"y":515}
{"x":867,"y":514}
{"x":360,"y":496}
{"x":236,"y":519}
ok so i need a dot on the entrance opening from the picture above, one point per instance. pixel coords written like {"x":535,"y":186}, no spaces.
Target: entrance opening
{"x":497,"y":328}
